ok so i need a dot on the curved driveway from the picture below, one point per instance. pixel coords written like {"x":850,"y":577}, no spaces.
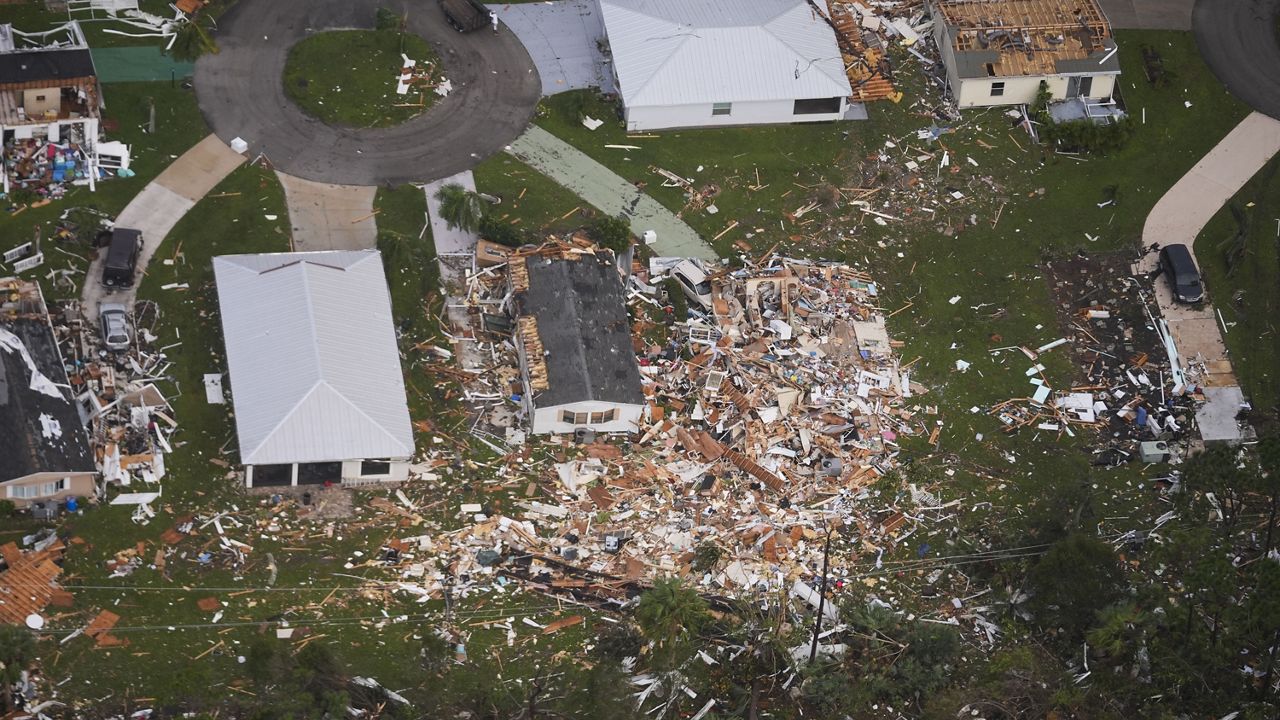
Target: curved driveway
{"x":241,"y":93}
{"x":1240,"y":43}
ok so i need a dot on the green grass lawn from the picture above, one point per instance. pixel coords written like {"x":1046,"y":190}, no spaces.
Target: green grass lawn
{"x":530,"y":200}
{"x":1248,"y":292}
{"x":348,"y":77}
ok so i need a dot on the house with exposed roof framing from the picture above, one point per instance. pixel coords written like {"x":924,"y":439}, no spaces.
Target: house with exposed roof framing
{"x":701,"y":63}
{"x":314,"y":367}
{"x":573,"y":341}
{"x":997,"y":52}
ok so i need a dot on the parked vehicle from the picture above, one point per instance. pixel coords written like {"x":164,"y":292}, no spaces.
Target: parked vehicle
{"x":694,"y":282}
{"x":114,"y":319}
{"x":465,"y":15}
{"x":121,"y":262}
{"x":1184,"y":277}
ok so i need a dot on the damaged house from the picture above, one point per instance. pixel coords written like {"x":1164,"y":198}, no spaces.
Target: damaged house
{"x":50,"y":107}
{"x":724,"y":62}
{"x":314,"y":368}
{"x":573,"y":341}
{"x":44,"y":450}
{"x":998,"y":52}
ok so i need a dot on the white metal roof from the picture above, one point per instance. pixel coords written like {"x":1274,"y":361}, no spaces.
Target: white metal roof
{"x":312,"y":355}
{"x":676,"y":52}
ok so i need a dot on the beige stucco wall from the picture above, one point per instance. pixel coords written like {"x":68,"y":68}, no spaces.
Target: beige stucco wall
{"x":36,"y":107}
{"x":976,"y":92}
{"x":80,"y":485}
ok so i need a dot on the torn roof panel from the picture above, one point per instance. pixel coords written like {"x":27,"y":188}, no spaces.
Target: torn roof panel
{"x":34,"y":396}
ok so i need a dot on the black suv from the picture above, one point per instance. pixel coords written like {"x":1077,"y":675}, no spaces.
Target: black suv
{"x":122,"y":258}
{"x":1184,"y":278}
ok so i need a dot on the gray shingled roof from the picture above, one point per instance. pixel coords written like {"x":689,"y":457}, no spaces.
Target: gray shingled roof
{"x":582,"y":320}
{"x":26,"y":408}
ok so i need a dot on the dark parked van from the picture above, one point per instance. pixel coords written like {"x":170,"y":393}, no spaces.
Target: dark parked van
{"x":122,"y":258}
{"x":465,"y":15}
{"x":1180,"y":268}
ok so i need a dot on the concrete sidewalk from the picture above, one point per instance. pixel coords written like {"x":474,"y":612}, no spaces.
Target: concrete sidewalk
{"x":1178,"y":218}
{"x":160,"y":205}
{"x":455,"y":250}
{"x":609,"y":192}
{"x":449,"y":241}
{"x":329,"y":217}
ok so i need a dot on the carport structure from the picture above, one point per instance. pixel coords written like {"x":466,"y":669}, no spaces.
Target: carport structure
{"x":314,"y":367}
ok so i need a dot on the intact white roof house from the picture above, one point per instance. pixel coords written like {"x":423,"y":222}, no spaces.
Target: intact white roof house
{"x":314,"y":368}
{"x":696,"y":63}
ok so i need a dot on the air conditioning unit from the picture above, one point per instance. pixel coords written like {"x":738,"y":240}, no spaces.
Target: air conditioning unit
{"x":584,"y":436}
{"x":1153,"y":451}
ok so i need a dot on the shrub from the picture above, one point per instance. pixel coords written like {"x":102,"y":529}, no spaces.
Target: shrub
{"x":611,"y":232}
{"x":500,"y":232}
{"x":1087,"y":136}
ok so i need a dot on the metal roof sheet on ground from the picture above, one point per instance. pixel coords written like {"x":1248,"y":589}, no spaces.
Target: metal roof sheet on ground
{"x":581,"y":310}
{"x":312,"y":357}
{"x":674,"y":52}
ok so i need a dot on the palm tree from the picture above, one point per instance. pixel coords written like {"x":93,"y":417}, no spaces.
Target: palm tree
{"x":17,"y":648}
{"x":192,"y":40}
{"x":670,"y":610}
{"x":461,"y":208}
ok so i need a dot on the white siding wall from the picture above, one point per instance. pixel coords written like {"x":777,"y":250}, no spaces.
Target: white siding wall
{"x":656,"y":117}
{"x":976,"y":92}
{"x":548,"y":419}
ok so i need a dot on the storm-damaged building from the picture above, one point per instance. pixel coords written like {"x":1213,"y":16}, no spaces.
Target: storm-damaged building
{"x":997,"y":52}
{"x":573,"y":340}
{"x":44,"y":449}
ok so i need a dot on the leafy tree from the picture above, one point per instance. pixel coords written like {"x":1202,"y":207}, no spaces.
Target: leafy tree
{"x":616,"y":642}
{"x":17,"y":650}
{"x":611,"y":232}
{"x":494,"y":230}
{"x":1078,"y":577}
{"x":193,"y":39}
{"x":461,"y":208}
{"x":670,"y":612}
{"x":888,"y":660}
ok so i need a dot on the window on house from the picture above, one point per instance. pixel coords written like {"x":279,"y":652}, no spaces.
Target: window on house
{"x":610,"y":415}
{"x":39,"y":98}
{"x":597,"y":418}
{"x":24,"y":492}
{"x":566,"y":416}
{"x":721,"y":108}
{"x":817,"y":106}
{"x":372,"y":468}
{"x":269,"y":475}
{"x":997,"y":89}
{"x":319,"y":473}
{"x":54,"y":488}
{"x":1086,"y":86}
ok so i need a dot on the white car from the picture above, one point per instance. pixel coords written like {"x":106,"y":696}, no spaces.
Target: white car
{"x":114,"y":319}
{"x":694,"y":282}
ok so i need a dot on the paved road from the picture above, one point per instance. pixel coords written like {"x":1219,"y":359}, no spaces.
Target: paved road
{"x":329,"y":217}
{"x":159,"y":207}
{"x":1239,"y":41}
{"x":609,"y":192}
{"x":496,"y":89}
{"x":1149,"y":14}
{"x":1178,"y":217}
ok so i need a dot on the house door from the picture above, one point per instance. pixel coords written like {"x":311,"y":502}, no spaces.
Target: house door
{"x":1079,"y":86}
